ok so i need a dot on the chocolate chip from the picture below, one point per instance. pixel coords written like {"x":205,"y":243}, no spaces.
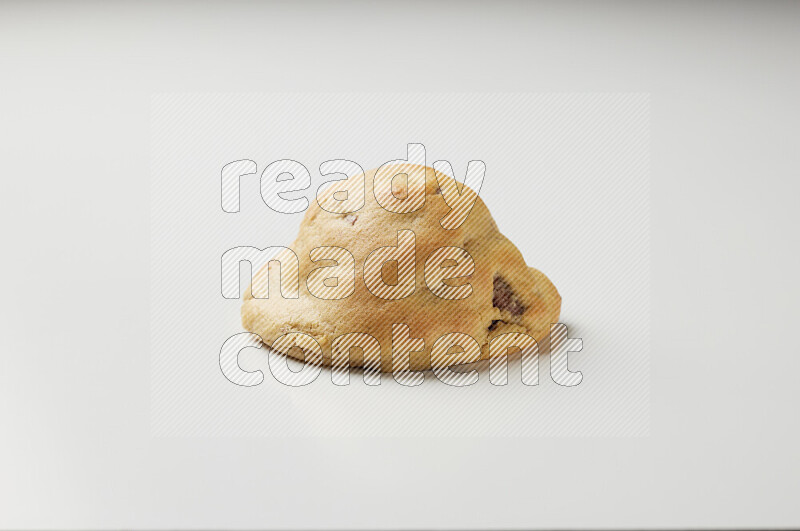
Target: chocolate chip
{"x":494,"y":324}
{"x":503,"y":298}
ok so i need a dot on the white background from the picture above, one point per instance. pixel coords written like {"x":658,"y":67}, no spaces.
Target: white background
{"x":75,"y":373}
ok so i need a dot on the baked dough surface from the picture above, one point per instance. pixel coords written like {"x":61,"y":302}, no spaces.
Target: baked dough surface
{"x":507,"y":296}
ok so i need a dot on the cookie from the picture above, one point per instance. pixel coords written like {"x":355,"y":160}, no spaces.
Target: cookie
{"x":495,"y":294}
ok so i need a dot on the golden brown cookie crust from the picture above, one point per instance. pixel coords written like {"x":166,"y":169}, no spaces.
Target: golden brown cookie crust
{"x":507,"y":296}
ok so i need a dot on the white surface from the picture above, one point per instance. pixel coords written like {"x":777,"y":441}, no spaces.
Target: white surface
{"x":74,"y":379}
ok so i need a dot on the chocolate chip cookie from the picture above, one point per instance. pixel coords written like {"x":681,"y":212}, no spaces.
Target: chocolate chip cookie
{"x":484,"y":290}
